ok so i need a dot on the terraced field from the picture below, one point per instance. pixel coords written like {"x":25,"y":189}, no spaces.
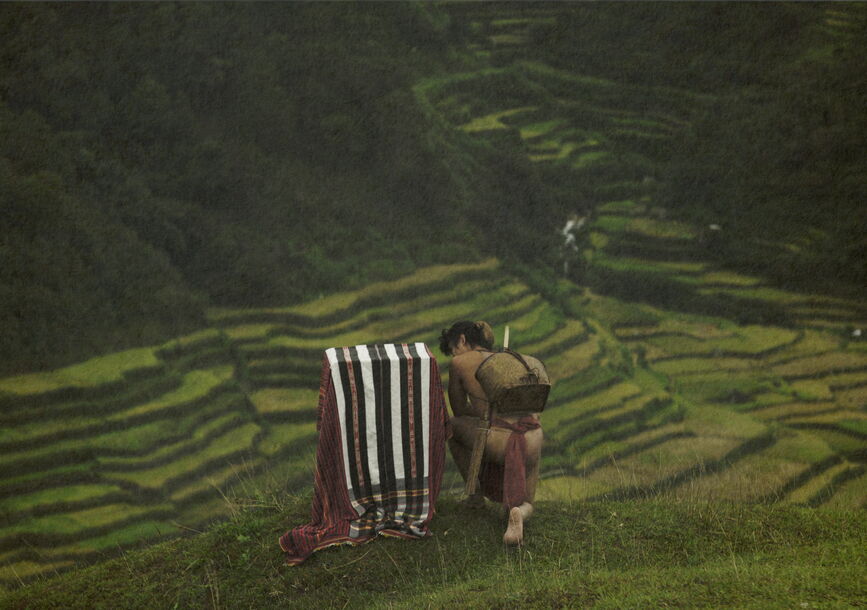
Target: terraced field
{"x":143,"y":444}
{"x":744,"y":390}
{"x":671,"y":376}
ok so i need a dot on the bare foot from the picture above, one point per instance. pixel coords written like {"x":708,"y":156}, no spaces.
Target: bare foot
{"x":514,"y":535}
{"x":474,"y":501}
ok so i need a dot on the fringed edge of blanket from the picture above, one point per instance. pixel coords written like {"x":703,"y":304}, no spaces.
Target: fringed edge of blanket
{"x":347,"y":541}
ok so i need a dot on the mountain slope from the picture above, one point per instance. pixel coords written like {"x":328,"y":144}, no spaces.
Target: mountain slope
{"x":144,"y":443}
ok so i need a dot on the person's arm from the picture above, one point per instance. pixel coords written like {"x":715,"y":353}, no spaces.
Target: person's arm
{"x":457,"y":395}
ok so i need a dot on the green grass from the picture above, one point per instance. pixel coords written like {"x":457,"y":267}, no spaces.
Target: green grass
{"x":844,"y":419}
{"x":851,"y":493}
{"x":146,"y":529}
{"x":615,"y":312}
{"x":458,"y":291}
{"x":733,"y":387}
{"x":647,"y":266}
{"x":722,"y":423}
{"x":619,"y":207}
{"x":788,"y":409}
{"x":33,"y":479}
{"x":685,"y":366}
{"x":856,"y":424}
{"x":29,"y":569}
{"x":574,"y":359}
{"x":149,"y":529}
{"x":580,"y":434}
{"x":75,"y":522}
{"x":553,"y":419}
{"x":811,"y":390}
{"x":535,"y":325}
{"x":571,"y":332}
{"x":560,"y":150}
{"x":811,"y":343}
{"x":89,"y":374}
{"x":590,"y":418}
{"x":127,"y":438}
{"x":845,"y":380}
{"x":196,"y":384}
{"x":805,"y":493}
{"x":615,"y":555}
{"x":507,"y":299}
{"x":750,"y":340}
{"x":798,"y":447}
{"x":610,"y":447}
{"x":562,"y":115}
{"x":630,"y":264}
{"x":279,"y":400}
{"x":772,"y":295}
{"x":582,"y":383}
{"x":832,"y":363}
{"x":660,"y":229}
{"x":56,"y":495}
{"x":838,"y":440}
{"x":214,"y":482}
{"x":641,"y":122}
{"x":498,"y":23}
{"x":535,"y":130}
{"x":588,"y":159}
{"x":507,"y":39}
{"x":854,"y":398}
{"x":281,"y":435}
{"x":201,"y":433}
{"x":206,"y":335}
{"x":720,"y":277}
{"x":250,"y":331}
{"x":493,"y":121}
{"x":218,"y":448}
{"x":344,"y":301}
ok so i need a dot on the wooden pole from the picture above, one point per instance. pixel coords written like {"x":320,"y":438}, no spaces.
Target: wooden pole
{"x":480,"y":441}
{"x":478,"y":451}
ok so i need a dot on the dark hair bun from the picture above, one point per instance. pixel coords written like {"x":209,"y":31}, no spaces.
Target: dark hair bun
{"x":477,"y":334}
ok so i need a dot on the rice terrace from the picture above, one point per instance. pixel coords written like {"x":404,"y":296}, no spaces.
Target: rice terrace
{"x":252,"y":184}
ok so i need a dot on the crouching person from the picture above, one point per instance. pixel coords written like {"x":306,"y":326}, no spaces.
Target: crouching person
{"x":509,"y":470}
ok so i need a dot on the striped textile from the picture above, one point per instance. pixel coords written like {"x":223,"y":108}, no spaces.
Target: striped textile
{"x":379,"y":461}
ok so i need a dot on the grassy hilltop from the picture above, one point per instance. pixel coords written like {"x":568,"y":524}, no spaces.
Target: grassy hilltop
{"x":183,"y":251}
{"x":646,"y":403}
{"x":606,"y":555}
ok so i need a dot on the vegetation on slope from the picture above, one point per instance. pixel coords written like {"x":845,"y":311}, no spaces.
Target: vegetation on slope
{"x":773,"y":143}
{"x":260,"y":154}
{"x":142,"y":444}
{"x":158,"y":159}
{"x":600,"y":554}
{"x":687,"y":372}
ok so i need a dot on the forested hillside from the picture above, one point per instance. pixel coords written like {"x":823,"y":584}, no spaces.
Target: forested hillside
{"x":157,"y":159}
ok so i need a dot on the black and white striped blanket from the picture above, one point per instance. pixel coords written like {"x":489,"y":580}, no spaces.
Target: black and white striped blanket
{"x":382,"y":430}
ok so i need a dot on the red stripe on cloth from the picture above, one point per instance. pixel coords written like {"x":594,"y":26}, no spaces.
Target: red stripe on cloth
{"x":332,"y":510}
{"x":356,"y":434}
{"x":410,"y":392}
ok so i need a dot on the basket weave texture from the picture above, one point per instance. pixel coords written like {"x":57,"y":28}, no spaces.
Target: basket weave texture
{"x":514,"y":383}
